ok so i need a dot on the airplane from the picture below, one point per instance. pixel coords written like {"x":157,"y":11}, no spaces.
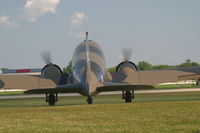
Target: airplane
{"x":90,"y":77}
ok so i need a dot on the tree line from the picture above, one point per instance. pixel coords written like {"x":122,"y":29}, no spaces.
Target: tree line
{"x":144,"y":65}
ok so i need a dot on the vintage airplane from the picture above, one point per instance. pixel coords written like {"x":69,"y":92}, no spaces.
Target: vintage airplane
{"x":90,"y":76}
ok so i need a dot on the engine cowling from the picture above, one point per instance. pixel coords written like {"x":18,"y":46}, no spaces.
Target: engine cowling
{"x":53,"y":72}
{"x":126,"y":67}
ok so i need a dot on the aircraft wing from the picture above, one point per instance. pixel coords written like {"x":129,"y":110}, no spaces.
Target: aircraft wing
{"x":121,"y":86}
{"x":169,"y":75}
{"x":26,"y":82}
{"x":35,"y":84}
{"x":153,"y":77}
{"x":67,"y":88}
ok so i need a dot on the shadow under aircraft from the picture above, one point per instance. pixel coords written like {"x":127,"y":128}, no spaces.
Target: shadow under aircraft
{"x":90,"y":77}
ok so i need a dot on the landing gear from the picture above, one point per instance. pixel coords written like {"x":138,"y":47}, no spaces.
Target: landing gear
{"x":128,"y":95}
{"x":51,"y":98}
{"x":89,"y":100}
{"x":198,"y":82}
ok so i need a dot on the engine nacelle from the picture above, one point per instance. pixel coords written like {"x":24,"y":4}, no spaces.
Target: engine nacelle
{"x":126,"y":67}
{"x":53,"y":72}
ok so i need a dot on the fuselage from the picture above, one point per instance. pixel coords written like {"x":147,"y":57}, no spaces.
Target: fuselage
{"x":88,"y":65}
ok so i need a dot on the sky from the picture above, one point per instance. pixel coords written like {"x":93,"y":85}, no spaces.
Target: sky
{"x":158,"y":31}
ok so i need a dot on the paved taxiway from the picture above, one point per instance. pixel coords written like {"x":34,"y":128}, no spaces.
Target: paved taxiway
{"x":104,"y":93}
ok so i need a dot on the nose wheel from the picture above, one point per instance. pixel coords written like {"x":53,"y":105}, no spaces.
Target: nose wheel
{"x":89,"y":100}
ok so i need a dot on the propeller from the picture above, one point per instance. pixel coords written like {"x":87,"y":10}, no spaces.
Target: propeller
{"x":46,"y":56}
{"x":127,"y":52}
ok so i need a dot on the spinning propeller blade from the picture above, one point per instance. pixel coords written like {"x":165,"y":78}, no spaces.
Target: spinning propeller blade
{"x":127,"y":52}
{"x":46,"y":56}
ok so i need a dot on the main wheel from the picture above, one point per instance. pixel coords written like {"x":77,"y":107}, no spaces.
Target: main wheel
{"x":52,"y":99}
{"x":128,"y":96}
{"x":89,"y":100}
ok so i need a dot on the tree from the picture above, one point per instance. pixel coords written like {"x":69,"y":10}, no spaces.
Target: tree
{"x":162,"y":66}
{"x":188,"y":63}
{"x":194,"y":64}
{"x":3,"y":68}
{"x":68,"y":68}
{"x":111,"y":69}
{"x":143,"y":65}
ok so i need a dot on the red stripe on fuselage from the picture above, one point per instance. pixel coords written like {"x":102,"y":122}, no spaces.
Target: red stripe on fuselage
{"x":22,"y":70}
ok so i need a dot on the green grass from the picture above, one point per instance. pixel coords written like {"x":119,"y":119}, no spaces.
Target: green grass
{"x":106,"y":99}
{"x":149,"y":113}
{"x":11,"y":93}
{"x":176,"y":86}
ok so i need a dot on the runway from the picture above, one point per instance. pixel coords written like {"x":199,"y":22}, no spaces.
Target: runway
{"x":103,"y":93}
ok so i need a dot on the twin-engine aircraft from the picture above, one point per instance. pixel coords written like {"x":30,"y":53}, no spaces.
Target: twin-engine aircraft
{"x":90,"y":76}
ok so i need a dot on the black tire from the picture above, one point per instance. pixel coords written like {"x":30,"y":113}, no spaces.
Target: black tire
{"x":52,"y":103}
{"x":128,"y":97}
{"x":89,"y":100}
{"x":52,"y":99}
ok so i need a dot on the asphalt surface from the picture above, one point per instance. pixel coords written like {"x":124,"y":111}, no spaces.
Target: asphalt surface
{"x":103,"y":93}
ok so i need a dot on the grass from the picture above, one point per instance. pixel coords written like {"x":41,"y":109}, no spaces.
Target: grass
{"x":11,"y":93}
{"x":100,"y":99}
{"x":149,"y":113}
{"x":176,"y":86}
